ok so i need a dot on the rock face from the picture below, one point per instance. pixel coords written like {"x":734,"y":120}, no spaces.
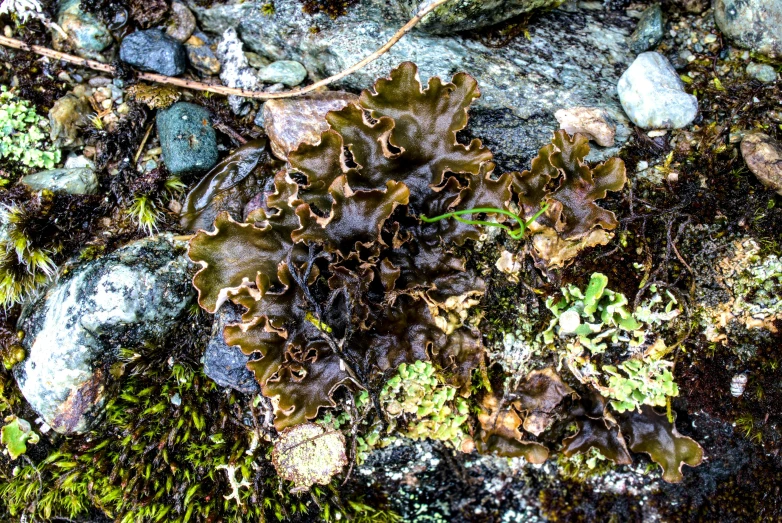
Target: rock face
{"x":155,"y":51}
{"x":187,"y":138}
{"x":462,"y":15}
{"x":73,"y":332}
{"x":752,"y":24}
{"x":571,"y":59}
{"x":653,"y":96}
{"x":290,"y":122}
{"x":224,"y":364}
{"x":72,"y":181}
{"x":763,"y":155}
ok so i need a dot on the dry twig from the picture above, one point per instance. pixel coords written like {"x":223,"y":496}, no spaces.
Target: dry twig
{"x":220,"y":89}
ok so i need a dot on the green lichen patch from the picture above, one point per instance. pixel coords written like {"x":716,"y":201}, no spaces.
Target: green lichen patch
{"x":24,"y":135}
{"x":307,"y":454}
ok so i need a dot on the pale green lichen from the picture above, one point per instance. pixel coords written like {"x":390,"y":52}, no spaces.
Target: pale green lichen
{"x":16,"y":434}
{"x":23,"y":133}
{"x":589,"y":323}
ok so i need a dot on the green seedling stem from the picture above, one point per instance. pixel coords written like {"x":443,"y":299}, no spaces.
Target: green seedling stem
{"x":516,"y":234}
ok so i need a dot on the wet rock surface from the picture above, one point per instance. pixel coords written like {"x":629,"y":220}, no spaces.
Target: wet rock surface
{"x":154,"y":51}
{"x":79,"y":180}
{"x":87,"y":35}
{"x":752,"y":24}
{"x":187,"y":138}
{"x":649,"y":31}
{"x":289,"y":123}
{"x":653,"y":96}
{"x":571,"y":59}
{"x":225,"y":364}
{"x":74,"y":331}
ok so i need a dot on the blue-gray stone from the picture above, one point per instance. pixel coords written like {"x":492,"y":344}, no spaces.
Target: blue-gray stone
{"x":80,"y":180}
{"x":187,"y":138}
{"x":86,"y":34}
{"x":224,"y":364}
{"x":287,"y":72}
{"x":649,"y":30}
{"x":73,"y":332}
{"x":155,"y":51}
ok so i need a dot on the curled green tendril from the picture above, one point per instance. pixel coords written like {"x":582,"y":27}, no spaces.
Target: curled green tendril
{"x":516,"y":234}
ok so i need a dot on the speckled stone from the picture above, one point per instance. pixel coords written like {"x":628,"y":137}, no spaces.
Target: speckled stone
{"x":74,"y":331}
{"x":201,"y":56}
{"x":752,"y":24}
{"x":71,"y":181}
{"x":187,"y":138}
{"x":87,"y":35}
{"x":182,"y":24}
{"x":649,"y":30}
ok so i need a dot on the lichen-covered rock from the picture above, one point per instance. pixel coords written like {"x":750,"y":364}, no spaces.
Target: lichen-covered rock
{"x":293,"y":121}
{"x":235,"y":70}
{"x":762,"y":72}
{"x":752,"y":24}
{"x":653,"y":96}
{"x":570,"y":59}
{"x":763,"y":156}
{"x":307,"y":454}
{"x":155,"y":51}
{"x":74,"y":331}
{"x":80,"y":180}
{"x":87,"y":36}
{"x":224,"y":364}
{"x":286,"y":72}
{"x":463,"y":15}
{"x":649,"y":31}
{"x":187,"y":138}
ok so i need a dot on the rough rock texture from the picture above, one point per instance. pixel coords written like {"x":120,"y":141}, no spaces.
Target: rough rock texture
{"x":593,"y":122}
{"x":649,"y":31}
{"x":571,"y":59}
{"x":290,"y":122}
{"x":653,"y":96}
{"x":763,"y":155}
{"x":224,"y":364}
{"x":71,"y":181}
{"x":182,"y":23}
{"x":73,"y":332}
{"x":235,"y":70}
{"x":752,"y":24}
{"x":87,"y":36}
{"x":187,"y":138}
{"x":462,"y":15}
{"x":762,"y":72}
{"x":155,"y":51}
{"x":201,"y":56}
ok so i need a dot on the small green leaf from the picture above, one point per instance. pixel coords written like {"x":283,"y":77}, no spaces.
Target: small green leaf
{"x":16,"y":434}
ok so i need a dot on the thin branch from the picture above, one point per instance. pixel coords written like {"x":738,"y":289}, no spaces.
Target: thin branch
{"x":220,"y":89}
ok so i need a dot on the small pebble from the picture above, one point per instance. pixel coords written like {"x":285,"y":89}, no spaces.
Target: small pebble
{"x":762,"y":72}
{"x":287,"y":72}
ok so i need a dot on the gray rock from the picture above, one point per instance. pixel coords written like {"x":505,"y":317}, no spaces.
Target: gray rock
{"x":752,"y":24}
{"x":571,"y":59}
{"x":235,"y":70}
{"x":227,"y":365}
{"x":187,"y":138}
{"x":155,"y":51}
{"x":182,"y":24}
{"x":653,"y":96}
{"x":288,"y":122}
{"x":87,"y":36}
{"x":73,"y":333}
{"x":463,"y":15}
{"x":649,"y":31}
{"x":72,"y":181}
{"x":286,"y":72}
{"x":201,"y":56}
{"x":762,"y":72}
